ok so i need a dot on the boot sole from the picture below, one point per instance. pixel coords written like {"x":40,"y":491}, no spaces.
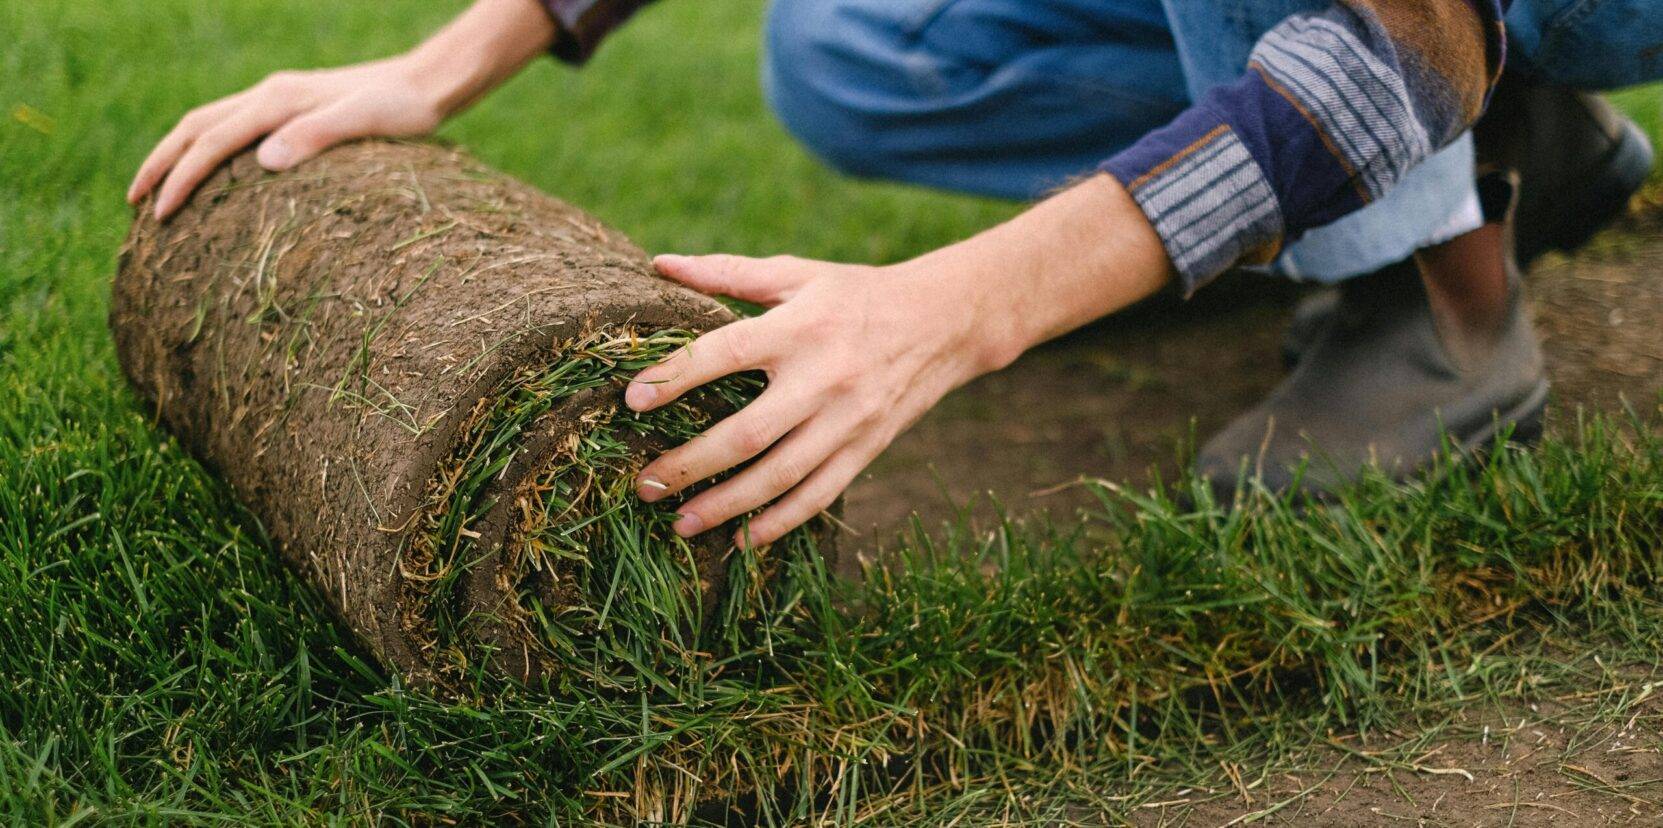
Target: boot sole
{"x":1526,"y":420}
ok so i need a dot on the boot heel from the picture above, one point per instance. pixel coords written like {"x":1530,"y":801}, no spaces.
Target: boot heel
{"x":1527,"y":430}
{"x":1528,"y":419}
{"x":1606,"y":195}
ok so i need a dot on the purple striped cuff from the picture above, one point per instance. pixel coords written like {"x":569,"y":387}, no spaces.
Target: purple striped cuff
{"x":1208,"y":200}
{"x":583,"y":24}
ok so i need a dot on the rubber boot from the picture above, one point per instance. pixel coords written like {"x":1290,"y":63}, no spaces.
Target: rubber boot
{"x":1579,"y":162}
{"x":1383,"y":385}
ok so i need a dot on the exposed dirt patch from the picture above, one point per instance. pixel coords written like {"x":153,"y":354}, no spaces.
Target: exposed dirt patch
{"x":1601,"y":317}
{"x":1521,"y":765}
{"x":1118,"y":400}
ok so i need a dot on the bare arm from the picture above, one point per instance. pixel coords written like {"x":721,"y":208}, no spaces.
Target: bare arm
{"x":302,"y":113}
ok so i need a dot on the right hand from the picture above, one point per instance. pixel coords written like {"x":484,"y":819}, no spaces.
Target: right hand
{"x":301,"y":113}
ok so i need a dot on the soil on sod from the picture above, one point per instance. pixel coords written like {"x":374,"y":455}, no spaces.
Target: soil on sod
{"x":410,"y":368}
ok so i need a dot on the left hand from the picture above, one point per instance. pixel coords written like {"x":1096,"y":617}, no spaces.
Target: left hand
{"x":853,"y":354}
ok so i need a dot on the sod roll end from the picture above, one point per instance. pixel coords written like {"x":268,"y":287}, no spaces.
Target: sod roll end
{"x":409,"y":368}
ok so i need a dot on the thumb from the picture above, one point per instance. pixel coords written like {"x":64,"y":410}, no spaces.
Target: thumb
{"x":311,"y":134}
{"x":766,"y":282}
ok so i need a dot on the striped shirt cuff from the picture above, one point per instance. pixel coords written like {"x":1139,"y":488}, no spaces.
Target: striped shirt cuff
{"x":1360,"y":103}
{"x":1207,"y":199}
{"x":581,"y":25}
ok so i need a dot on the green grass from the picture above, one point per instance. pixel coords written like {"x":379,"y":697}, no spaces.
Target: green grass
{"x":158,"y":665}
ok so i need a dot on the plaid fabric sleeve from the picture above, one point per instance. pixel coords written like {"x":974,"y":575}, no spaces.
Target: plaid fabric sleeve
{"x":1333,"y":109}
{"x":582,"y":24}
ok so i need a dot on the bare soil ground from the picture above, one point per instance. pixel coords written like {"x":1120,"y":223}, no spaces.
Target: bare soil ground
{"x":1120,"y":399}
{"x":1525,"y":765}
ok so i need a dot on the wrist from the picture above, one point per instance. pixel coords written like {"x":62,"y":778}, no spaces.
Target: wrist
{"x":963,"y":293}
{"x":431,"y":83}
{"x":447,"y":81}
{"x":477,"y":51}
{"x":1075,"y":257}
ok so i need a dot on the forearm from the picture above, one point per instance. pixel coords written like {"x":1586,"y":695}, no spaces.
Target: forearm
{"x":479,"y":50}
{"x":1076,"y":257}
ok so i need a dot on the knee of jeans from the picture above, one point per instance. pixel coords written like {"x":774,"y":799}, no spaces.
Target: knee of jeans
{"x":1608,"y":44}
{"x":816,"y":78}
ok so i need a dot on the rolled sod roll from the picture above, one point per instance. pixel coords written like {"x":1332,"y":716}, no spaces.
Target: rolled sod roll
{"x":409,"y":368}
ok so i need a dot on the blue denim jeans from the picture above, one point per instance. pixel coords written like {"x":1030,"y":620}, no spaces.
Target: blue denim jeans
{"x":1013,"y":98}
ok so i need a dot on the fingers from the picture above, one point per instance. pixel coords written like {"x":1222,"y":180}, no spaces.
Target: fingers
{"x":172,"y":145}
{"x":213,"y":146}
{"x":811,"y":497}
{"x":766,"y":282}
{"x":775,"y":474}
{"x":741,"y":436}
{"x":814,"y":455}
{"x":313,"y":133}
{"x":727,"y":350}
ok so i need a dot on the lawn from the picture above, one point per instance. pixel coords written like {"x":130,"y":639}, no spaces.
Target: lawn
{"x":157,"y":665}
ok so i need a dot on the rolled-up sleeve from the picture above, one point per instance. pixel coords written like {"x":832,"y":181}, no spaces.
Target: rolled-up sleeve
{"x":1333,"y":109}
{"x":583,"y":24}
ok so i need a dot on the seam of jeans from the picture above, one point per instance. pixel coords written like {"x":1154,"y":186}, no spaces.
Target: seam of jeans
{"x":913,"y":28}
{"x":1075,"y":82}
{"x":1564,"y":22}
{"x":1095,"y":86}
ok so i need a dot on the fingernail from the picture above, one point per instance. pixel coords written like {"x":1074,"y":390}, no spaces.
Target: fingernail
{"x":650,"y":489}
{"x":276,"y":154}
{"x":670,"y":260}
{"x":688,"y":526}
{"x":640,"y":396}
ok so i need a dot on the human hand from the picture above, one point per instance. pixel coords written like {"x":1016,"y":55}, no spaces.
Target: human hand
{"x":853,"y":355}
{"x":305,"y":113}
{"x":301,"y":113}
